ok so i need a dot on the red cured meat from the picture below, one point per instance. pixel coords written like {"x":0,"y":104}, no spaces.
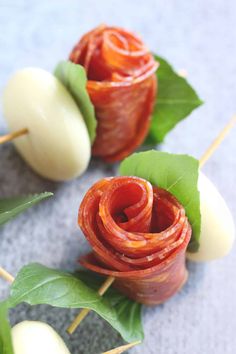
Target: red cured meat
{"x":139,"y":235}
{"x":122,"y":86}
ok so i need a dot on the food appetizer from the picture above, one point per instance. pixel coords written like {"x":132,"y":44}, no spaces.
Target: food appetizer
{"x":122,"y":85}
{"x":139,"y":234}
{"x":37,"y":337}
{"x":57,"y":144}
{"x":142,"y":226}
{"x":34,"y":336}
{"x":110,"y":96}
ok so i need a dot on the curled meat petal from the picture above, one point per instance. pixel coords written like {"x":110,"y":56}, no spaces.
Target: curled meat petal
{"x":122,"y":86}
{"x":139,"y":235}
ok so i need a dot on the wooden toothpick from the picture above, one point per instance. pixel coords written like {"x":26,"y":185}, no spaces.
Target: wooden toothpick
{"x":122,"y":349}
{"x":12,"y":136}
{"x":83,"y":313}
{"x":9,"y":278}
{"x":6,"y":276}
{"x":205,"y":157}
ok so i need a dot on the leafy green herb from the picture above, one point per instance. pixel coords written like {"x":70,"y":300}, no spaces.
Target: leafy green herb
{"x":36,"y":284}
{"x":176,"y":173}
{"x":73,"y":77}
{"x":10,"y":207}
{"x":176,"y":99}
{"x":128,"y":311}
{"x":5,"y":330}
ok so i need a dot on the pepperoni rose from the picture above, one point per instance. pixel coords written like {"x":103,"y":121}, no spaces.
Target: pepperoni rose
{"x":139,"y":234}
{"x":122,"y":86}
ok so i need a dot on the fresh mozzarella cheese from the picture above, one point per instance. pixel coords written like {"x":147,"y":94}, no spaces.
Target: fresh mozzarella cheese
{"x":33,"y":337}
{"x":57,"y":146}
{"x":217,"y":225}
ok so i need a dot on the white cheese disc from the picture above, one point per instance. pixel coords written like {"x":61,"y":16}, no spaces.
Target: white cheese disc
{"x":217,"y":225}
{"x":57,"y":146}
{"x":33,"y":337}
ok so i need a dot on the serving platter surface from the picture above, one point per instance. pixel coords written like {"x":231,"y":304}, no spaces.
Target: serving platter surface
{"x":195,"y":318}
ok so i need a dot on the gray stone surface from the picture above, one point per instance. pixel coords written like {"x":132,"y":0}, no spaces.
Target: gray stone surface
{"x":199,"y":36}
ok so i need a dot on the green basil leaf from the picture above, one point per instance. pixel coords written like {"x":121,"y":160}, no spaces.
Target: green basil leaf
{"x":128,"y":311}
{"x":10,"y":207}
{"x":73,"y":77}
{"x":176,"y":99}
{"x":6,"y":346}
{"x":36,"y":284}
{"x":178,"y":174}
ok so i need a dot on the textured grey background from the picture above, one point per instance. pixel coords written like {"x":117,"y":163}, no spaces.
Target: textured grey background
{"x":199,"y":36}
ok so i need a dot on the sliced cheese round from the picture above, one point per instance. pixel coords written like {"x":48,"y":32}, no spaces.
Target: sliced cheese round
{"x":217,"y":225}
{"x":33,"y":337}
{"x":57,"y":146}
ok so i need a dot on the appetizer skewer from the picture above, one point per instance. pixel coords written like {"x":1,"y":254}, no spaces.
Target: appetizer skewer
{"x":105,"y":96}
{"x":133,"y":235}
{"x":108,"y":282}
{"x":122,"y":85}
{"x":111,"y":278}
{"x":25,"y":334}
